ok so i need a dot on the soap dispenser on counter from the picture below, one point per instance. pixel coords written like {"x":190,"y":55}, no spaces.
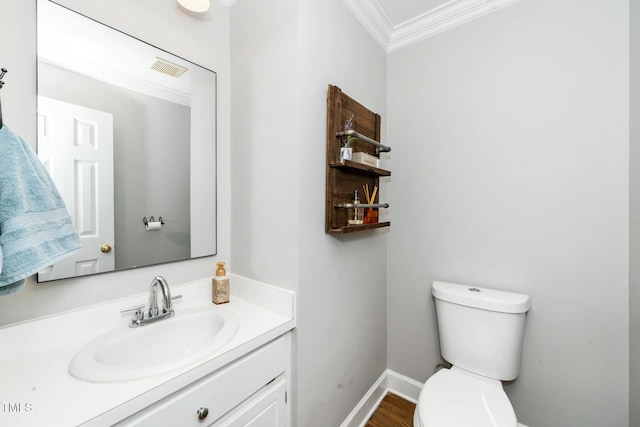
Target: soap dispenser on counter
{"x":220,"y":286}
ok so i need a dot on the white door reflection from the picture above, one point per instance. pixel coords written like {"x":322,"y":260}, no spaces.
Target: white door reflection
{"x":75,"y":144}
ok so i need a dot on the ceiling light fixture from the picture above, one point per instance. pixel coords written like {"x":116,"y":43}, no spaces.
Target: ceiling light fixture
{"x":195,"y":5}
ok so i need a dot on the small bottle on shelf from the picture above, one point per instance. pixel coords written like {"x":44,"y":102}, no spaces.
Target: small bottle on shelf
{"x":356,"y":214}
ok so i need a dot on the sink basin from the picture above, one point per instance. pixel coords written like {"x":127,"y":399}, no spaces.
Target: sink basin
{"x":131,"y":353}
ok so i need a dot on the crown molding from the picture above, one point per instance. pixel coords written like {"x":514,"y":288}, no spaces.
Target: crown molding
{"x":456,"y":12}
{"x":374,"y":18}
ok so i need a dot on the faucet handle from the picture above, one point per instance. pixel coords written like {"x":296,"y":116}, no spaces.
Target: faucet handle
{"x":137,"y":309}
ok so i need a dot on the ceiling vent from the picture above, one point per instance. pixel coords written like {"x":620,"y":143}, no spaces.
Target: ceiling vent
{"x":169,"y":68}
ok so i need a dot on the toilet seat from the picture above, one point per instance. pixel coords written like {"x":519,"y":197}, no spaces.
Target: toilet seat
{"x":458,"y":398}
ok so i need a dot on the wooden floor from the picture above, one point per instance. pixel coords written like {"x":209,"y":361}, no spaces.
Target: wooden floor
{"x":393,"y":411}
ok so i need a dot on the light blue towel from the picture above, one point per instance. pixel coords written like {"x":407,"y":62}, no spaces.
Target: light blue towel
{"x":35,"y":228}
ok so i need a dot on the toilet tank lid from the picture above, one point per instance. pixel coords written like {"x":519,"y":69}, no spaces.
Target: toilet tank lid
{"x":483,"y":298}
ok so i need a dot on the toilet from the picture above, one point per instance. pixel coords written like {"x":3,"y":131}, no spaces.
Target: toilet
{"x":481,"y":332}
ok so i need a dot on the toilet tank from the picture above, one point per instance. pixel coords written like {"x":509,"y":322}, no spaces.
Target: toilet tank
{"x":481,"y":330}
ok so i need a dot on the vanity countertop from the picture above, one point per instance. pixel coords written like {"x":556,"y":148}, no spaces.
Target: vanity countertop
{"x":37,"y":389}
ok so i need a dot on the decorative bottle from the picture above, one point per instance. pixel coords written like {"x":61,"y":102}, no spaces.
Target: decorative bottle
{"x":356,"y":214}
{"x":220,"y":285}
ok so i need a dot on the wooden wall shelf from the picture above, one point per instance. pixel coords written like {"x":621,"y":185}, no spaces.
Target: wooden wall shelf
{"x":356,"y":167}
{"x":345,"y":177}
{"x":353,"y":228}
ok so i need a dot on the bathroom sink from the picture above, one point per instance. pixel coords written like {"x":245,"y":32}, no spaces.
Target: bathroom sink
{"x":131,"y":353}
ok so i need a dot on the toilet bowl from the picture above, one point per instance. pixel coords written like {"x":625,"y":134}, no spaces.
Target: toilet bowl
{"x":458,"y":398}
{"x":481,"y":332}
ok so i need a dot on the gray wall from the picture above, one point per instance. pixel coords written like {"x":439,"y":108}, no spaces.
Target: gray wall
{"x":284,"y":54}
{"x":634,"y":222}
{"x":151,"y":164}
{"x":203,"y":39}
{"x":342,"y":339}
{"x":512,"y":161}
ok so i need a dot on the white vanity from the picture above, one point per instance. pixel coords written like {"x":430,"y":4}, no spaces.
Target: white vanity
{"x":244,"y":380}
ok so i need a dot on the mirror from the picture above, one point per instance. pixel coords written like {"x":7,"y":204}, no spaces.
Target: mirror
{"x":128,"y":133}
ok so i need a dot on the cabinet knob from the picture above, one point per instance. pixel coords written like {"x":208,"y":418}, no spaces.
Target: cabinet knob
{"x":202,"y":413}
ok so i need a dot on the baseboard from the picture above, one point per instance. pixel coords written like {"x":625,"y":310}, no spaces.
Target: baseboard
{"x":403,"y":386}
{"x":389,"y":381}
{"x":367,"y":405}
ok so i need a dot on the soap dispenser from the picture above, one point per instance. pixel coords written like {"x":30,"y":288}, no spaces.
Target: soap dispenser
{"x":220,"y":286}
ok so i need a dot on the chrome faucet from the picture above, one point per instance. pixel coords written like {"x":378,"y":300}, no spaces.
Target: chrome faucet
{"x":167,"y":309}
{"x":154,"y":312}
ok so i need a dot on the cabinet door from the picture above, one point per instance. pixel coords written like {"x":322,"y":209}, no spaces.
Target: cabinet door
{"x":267,"y":408}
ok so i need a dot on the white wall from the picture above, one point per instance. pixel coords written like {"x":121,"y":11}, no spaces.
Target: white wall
{"x":634,"y":221}
{"x":201,"y":39}
{"x":284,"y":54}
{"x":265,"y":147}
{"x":512,"y":172}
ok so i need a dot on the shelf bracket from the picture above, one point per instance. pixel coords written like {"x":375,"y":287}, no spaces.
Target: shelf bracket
{"x":351,"y":132}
